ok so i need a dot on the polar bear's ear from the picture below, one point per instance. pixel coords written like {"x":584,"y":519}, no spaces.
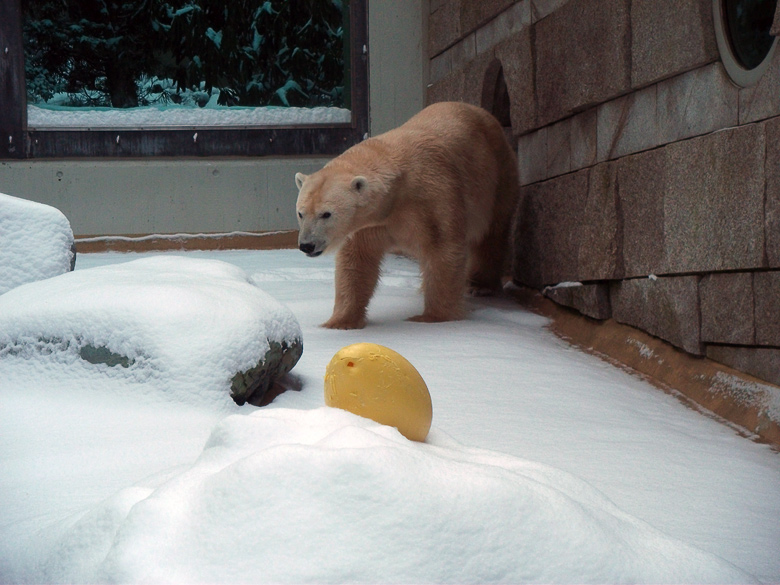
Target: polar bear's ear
{"x":299,"y":179}
{"x":359,"y":184}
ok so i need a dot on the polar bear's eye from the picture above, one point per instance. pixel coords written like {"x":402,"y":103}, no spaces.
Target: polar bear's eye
{"x":300,"y":215}
{"x":325,"y":215}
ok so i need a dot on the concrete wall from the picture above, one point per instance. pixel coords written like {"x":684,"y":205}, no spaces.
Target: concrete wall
{"x":647,"y":175}
{"x":398,"y":71}
{"x":163,"y":196}
{"x":107,"y":197}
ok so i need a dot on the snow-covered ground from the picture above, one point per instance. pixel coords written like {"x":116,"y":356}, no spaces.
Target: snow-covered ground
{"x":544,"y":464}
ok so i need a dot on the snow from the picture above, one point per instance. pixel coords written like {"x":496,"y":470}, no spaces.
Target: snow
{"x":565,"y":285}
{"x":35,"y":242}
{"x":183,"y":326}
{"x":171,"y":115}
{"x":544,"y":464}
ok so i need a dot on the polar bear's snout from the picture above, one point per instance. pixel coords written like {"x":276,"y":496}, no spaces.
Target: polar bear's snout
{"x":310,"y":243}
{"x":309,"y":249}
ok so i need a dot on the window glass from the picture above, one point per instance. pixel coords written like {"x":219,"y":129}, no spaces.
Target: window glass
{"x":749,"y":23}
{"x":743,"y":33}
{"x":114,"y":63}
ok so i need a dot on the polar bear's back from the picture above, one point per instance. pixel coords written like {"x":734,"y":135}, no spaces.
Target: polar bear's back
{"x":463,"y":149}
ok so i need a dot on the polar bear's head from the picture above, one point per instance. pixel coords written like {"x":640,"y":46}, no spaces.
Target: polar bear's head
{"x":331,"y":205}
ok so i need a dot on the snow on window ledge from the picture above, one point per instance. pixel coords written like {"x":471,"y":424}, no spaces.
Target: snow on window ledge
{"x":171,"y":117}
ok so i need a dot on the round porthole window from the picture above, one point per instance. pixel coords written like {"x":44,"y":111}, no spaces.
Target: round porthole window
{"x":742,"y":28}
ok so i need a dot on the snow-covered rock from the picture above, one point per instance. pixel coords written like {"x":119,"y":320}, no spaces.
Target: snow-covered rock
{"x":185,"y":325}
{"x":36,"y":242}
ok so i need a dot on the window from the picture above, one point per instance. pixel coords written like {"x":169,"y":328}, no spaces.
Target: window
{"x":183,"y":74}
{"x":746,"y":45}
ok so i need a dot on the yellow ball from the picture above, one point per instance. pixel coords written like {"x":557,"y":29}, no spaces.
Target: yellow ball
{"x":376,"y":382}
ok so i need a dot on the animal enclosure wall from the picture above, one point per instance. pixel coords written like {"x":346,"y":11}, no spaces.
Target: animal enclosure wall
{"x":650,"y":178}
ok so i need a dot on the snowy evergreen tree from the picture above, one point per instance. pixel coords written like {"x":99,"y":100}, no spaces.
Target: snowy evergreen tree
{"x":254,"y":52}
{"x":94,"y":48}
{"x":285,"y":52}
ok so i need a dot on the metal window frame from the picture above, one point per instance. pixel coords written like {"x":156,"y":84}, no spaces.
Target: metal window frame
{"x":17,"y":141}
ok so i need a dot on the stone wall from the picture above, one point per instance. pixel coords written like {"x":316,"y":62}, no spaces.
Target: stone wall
{"x":650,"y":182}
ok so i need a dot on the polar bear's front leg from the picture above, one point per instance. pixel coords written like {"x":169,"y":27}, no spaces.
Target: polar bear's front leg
{"x":358,"y":265}
{"x":444,"y":285}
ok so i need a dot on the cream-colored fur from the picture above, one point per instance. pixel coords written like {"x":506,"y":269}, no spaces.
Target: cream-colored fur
{"x":440,"y":188}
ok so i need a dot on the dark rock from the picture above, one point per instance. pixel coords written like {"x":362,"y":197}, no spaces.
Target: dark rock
{"x":103,"y":355}
{"x":252,"y":385}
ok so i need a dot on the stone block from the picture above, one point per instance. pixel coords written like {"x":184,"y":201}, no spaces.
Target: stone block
{"x":761,"y":362}
{"x":449,"y":88}
{"x":543,"y":8}
{"x":600,"y":238}
{"x":627,"y":125}
{"x":515,"y":54}
{"x":696,"y":103}
{"x":526,"y":239}
{"x":762,"y":100}
{"x":475,"y":76}
{"x":462,"y":52}
{"x":547,"y":230}
{"x":642,"y":183}
{"x":504,"y":25}
{"x":592,"y":300}
{"x":532,"y":157}
{"x":667,"y":307}
{"x":476,"y":14}
{"x":776,"y":24}
{"x":766,"y":289}
{"x":444,"y":27}
{"x":440,"y":66}
{"x":714,"y":202}
{"x":584,"y":139}
{"x":559,"y":148}
{"x":669,"y":37}
{"x":582,"y":57}
{"x":772,"y":208}
{"x":727,"y":308}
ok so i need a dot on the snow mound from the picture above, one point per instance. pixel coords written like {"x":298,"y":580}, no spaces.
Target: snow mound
{"x":173,"y":326}
{"x":36,"y":242}
{"x":325,"y":496}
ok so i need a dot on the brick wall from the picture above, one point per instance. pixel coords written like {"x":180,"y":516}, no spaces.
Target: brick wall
{"x":648,"y":177}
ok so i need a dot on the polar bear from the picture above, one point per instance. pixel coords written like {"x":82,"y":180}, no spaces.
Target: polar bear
{"x":441,"y":188}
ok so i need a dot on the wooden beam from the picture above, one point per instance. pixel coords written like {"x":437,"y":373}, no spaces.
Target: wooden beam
{"x":13,"y":89}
